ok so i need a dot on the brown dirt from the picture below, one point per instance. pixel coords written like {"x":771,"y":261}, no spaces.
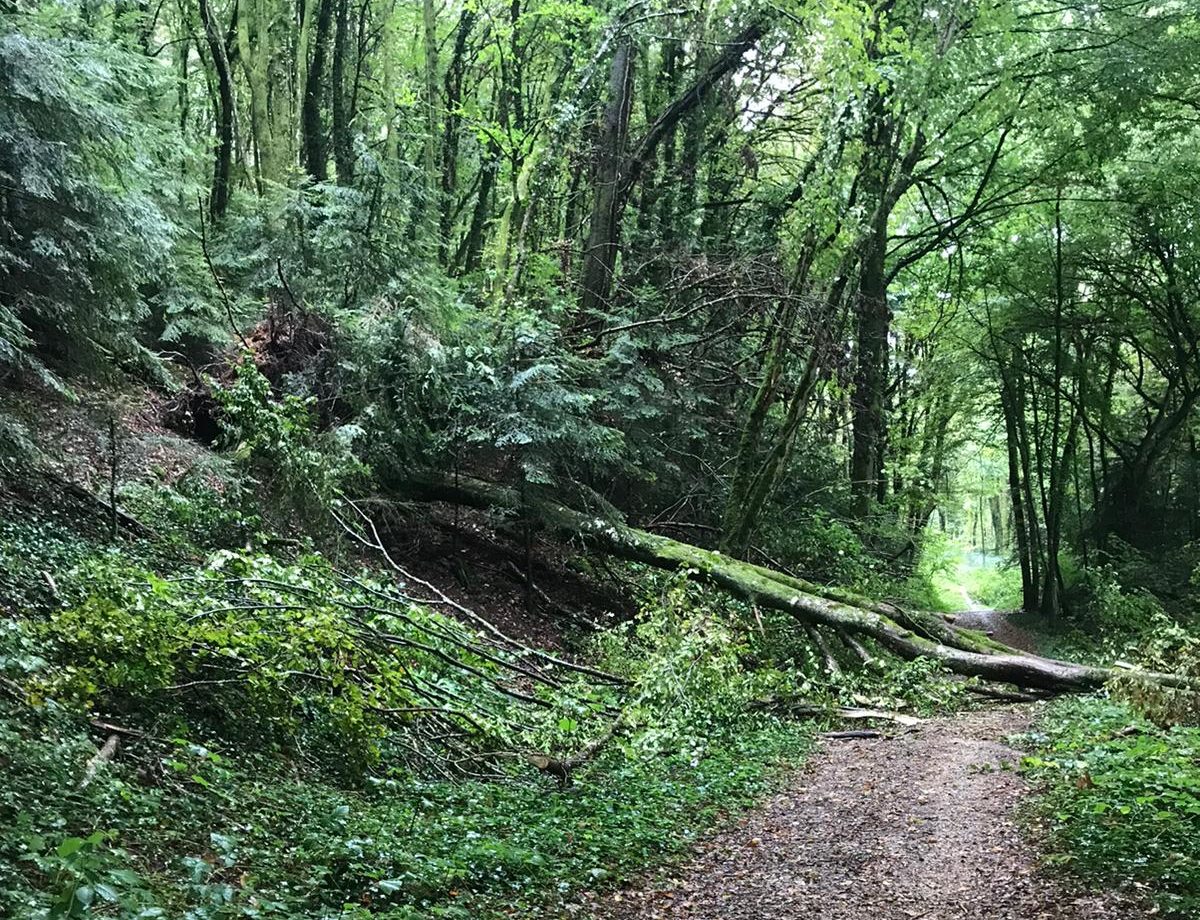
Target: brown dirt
{"x":922,"y":825}
{"x":73,"y":436}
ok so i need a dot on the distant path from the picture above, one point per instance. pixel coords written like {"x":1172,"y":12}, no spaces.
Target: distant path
{"x":969,"y":603}
{"x":998,"y":623}
{"x":919,"y":827}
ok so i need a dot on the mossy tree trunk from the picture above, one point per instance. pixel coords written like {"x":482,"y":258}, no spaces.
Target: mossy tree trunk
{"x":908,"y":634}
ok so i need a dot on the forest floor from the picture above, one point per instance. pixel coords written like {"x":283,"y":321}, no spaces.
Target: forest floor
{"x":924,"y":824}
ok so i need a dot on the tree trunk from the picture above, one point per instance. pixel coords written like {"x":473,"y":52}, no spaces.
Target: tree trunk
{"x":870,"y":380}
{"x":312,"y":131}
{"x":218,"y":200}
{"x":750,"y":489}
{"x":683,"y":228}
{"x":997,"y":523}
{"x":470,"y":252}
{"x":749,"y":444}
{"x":254,"y":52}
{"x":600,"y":251}
{"x":667,"y":202}
{"x":343,"y":141}
{"x":453,"y":89}
{"x":432,"y":180}
{"x":616,"y":174}
{"x":909,"y":634}
{"x":1022,"y":525}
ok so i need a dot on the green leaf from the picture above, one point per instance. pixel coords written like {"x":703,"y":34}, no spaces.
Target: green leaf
{"x":70,"y":847}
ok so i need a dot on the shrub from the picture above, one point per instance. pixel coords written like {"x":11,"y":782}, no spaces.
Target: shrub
{"x":195,"y":514}
{"x":821,"y":547}
{"x":1107,"y":607}
{"x":685,"y":654}
{"x":339,"y":669}
{"x":90,"y":243}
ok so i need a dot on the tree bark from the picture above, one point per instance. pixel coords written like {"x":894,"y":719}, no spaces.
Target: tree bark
{"x":870,"y":380}
{"x":1017,"y":497}
{"x":343,"y":142}
{"x":218,"y":200}
{"x":453,"y":90}
{"x":312,"y":130}
{"x":255,"y":54}
{"x":432,"y":180}
{"x":600,"y":252}
{"x":470,"y":252}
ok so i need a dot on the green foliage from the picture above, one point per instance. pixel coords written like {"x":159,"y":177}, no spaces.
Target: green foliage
{"x":87,"y":231}
{"x":262,"y":652}
{"x":1121,"y":798}
{"x":1164,"y":646}
{"x":88,"y":878}
{"x":252,"y":842}
{"x":34,"y":544}
{"x":501,"y":391}
{"x":995,"y":586}
{"x":319,"y":241}
{"x":1113,"y":623}
{"x":922,"y":686}
{"x":1170,"y":574}
{"x":286,"y":760}
{"x":822,"y":547}
{"x":247,"y":796}
{"x":277,"y":439}
{"x":687,"y":653}
{"x":1113,"y":611}
{"x":196,"y":512}
{"x":936,"y":581}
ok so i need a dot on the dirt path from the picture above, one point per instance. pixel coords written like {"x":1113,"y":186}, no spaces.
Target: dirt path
{"x":998,"y":624}
{"x":919,"y":826}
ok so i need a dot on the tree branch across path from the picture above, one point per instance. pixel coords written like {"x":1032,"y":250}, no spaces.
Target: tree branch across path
{"x":908,"y":634}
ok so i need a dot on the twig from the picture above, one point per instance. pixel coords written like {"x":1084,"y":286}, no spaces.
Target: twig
{"x":562,"y":768}
{"x":801,"y":708}
{"x":117,"y":729}
{"x":287,"y":287}
{"x":857,"y":647}
{"x":1004,"y":696}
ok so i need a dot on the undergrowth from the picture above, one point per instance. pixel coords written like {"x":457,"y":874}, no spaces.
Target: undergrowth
{"x":1121,"y":799}
{"x":299,"y":739}
{"x":295,"y":740}
{"x":200,"y":834}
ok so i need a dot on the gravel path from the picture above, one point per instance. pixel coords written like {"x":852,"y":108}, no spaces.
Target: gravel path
{"x":918,"y":826}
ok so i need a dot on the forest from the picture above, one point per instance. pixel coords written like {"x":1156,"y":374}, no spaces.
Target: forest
{"x":599,"y":459}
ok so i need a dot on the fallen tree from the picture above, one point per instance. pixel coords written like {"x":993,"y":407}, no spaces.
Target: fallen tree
{"x":906,"y":633}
